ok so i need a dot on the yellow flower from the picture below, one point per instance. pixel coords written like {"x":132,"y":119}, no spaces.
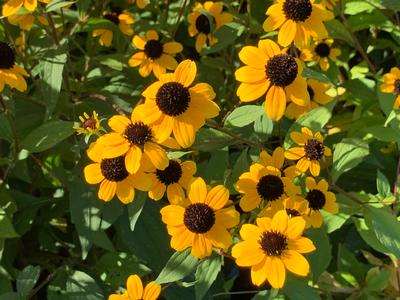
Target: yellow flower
{"x":271,"y":71}
{"x":11,"y":73}
{"x":140,"y":3}
{"x":329,"y":4}
{"x":173,"y":179}
{"x":271,"y":247}
{"x":123,"y":20}
{"x":392,"y":85}
{"x":25,"y":21}
{"x":298,"y":20}
{"x":12,"y":6}
{"x":172,"y":106}
{"x":277,"y":160}
{"x":263,"y":185}
{"x":155,"y":56}
{"x":199,"y":23}
{"x":89,"y":124}
{"x":319,"y":198}
{"x":135,"y":291}
{"x":202,"y":222}
{"x":134,"y":139}
{"x":318,"y":96}
{"x":294,"y":206}
{"x":113,"y":176}
{"x":321,"y":52}
{"x":312,"y":150}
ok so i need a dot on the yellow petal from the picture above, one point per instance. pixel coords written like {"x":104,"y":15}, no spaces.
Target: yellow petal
{"x":152,"y":291}
{"x":277,"y":274}
{"x":314,"y":167}
{"x":182,"y":239}
{"x":297,"y":92}
{"x":125,"y":191}
{"x":287,"y":33}
{"x":134,"y":287}
{"x":295,"y":262}
{"x":250,"y":75}
{"x":295,"y":227}
{"x":227,"y":217}
{"x":275,"y":104}
{"x":219,"y":237}
{"x":175,"y":193}
{"x":217,"y":197}
{"x":184,"y":133}
{"x":197,"y":191}
{"x":172,"y":47}
{"x":295,"y":153}
{"x":201,"y":246}
{"x":93,"y":173}
{"x":151,"y":35}
{"x":136,"y":59}
{"x":119,"y":123}
{"x":250,"y":232}
{"x":253,"y":57}
{"x":247,"y":253}
{"x":172,"y":215}
{"x":11,"y":7}
{"x":280,"y":221}
{"x":107,"y":190}
{"x":248,"y":92}
{"x":132,"y":159}
{"x":156,"y":155}
{"x":186,"y":72}
{"x":139,"y":42}
{"x":301,"y":245}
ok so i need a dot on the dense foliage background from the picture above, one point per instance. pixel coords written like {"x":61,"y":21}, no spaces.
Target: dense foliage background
{"x":59,"y":241}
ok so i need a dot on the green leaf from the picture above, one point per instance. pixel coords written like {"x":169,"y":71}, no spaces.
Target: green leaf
{"x":244,"y":115}
{"x":263,"y":127}
{"x":47,"y":136}
{"x":52,"y":77}
{"x":80,"y":286}
{"x":181,"y":264}
{"x":377,"y":279}
{"x":6,"y":227}
{"x":315,"y":120}
{"x":347,"y":154}
{"x":241,"y":165}
{"x":54,"y":5}
{"x":385,"y":134}
{"x":26,"y":280}
{"x":226,"y":36}
{"x":386,"y":228}
{"x":206,"y":273}
{"x":296,"y":288}
{"x":10,"y":296}
{"x":208,"y":139}
{"x":309,"y":73}
{"x":337,"y":31}
{"x":383,"y":185}
{"x":391,"y":4}
{"x":321,"y":257}
{"x":135,"y":208}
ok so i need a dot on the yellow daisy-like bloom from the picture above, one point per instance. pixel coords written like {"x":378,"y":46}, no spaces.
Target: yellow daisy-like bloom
{"x":134,"y":139}
{"x":89,"y":124}
{"x":329,"y":4}
{"x":271,"y":71}
{"x":312,"y":150}
{"x":271,"y":247}
{"x":25,"y":21}
{"x":264,"y":185}
{"x":277,"y":160}
{"x":11,"y":73}
{"x":12,"y":6}
{"x":113,"y":176}
{"x":200,"y":25}
{"x":294,"y":206}
{"x":155,"y":56}
{"x":392,"y":85}
{"x":202,"y":222}
{"x":140,"y":3}
{"x":319,"y":198}
{"x":172,"y":106}
{"x":174,"y":179}
{"x":135,"y":291}
{"x":321,"y":52}
{"x":318,"y":96}
{"x":298,"y":21}
{"x":123,"y":20}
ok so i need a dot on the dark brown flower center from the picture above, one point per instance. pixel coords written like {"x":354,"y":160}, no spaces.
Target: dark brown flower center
{"x":113,"y":17}
{"x":273,"y":243}
{"x":314,"y":149}
{"x":199,"y":218}
{"x":293,"y":51}
{"x":203,"y":24}
{"x":114,"y":169}
{"x":153,"y":49}
{"x":292,"y":212}
{"x":281,"y":70}
{"x":297,"y":10}
{"x":173,"y":99}
{"x":170,"y":174}
{"x":138,"y":133}
{"x":7,"y":56}
{"x":310,"y":92}
{"x":322,"y":50}
{"x":89,"y":123}
{"x":270,"y":187}
{"x":397,"y":87}
{"x":316,"y":199}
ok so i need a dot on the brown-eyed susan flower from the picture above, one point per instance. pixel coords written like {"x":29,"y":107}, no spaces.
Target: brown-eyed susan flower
{"x":310,"y":152}
{"x":140,"y":3}
{"x":318,"y":96}
{"x":172,"y":106}
{"x":155,"y":55}
{"x":113,"y":176}
{"x":173,"y":180}
{"x":134,"y":139}
{"x":25,"y":21}
{"x":273,"y":246}
{"x":295,"y":206}
{"x":122,"y":19}
{"x":329,"y":4}
{"x":298,"y":21}
{"x":277,"y":160}
{"x":203,"y":221}
{"x":89,"y":124}
{"x":11,"y":73}
{"x":204,"y":26}
{"x":12,"y":6}
{"x":321,"y":52}
{"x":392,"y":85}
{"x":318,"y":198}
{"x":271,"y":71}
{"x":263,"y":185}
{"x":135,"y":291}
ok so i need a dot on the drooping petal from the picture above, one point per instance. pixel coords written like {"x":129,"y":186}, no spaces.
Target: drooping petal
{"x":275,"y":104}
{"x":277,"y":273}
